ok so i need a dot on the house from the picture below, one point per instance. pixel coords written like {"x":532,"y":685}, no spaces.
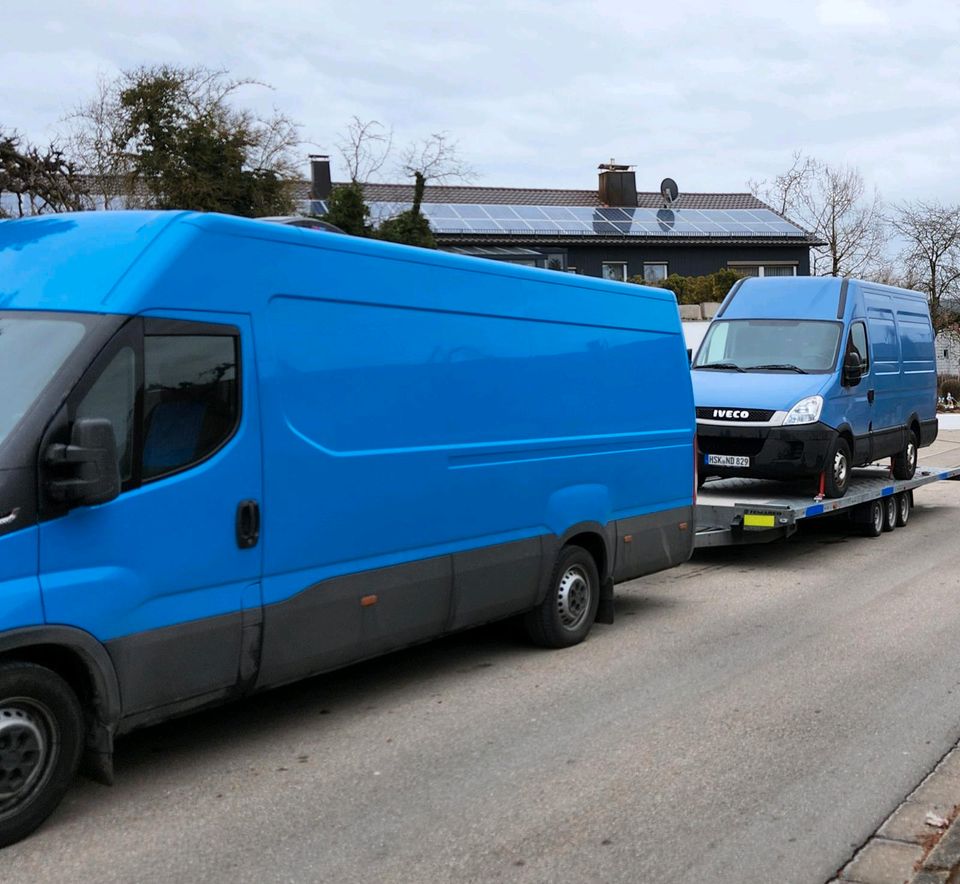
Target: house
{"x":614,"y":231}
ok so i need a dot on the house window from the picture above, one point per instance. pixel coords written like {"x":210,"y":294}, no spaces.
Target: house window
{"x":615,"y":270}
{"x":654,"y":272}
{"x":783,"y":268}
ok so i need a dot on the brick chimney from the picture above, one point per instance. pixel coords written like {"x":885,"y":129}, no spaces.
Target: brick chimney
{"x":618,"y":184}
{"x":320,"y":182}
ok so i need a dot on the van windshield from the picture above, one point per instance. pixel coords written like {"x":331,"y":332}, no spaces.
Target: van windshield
{"x":787,"y":345}
{"x":32,"y":350}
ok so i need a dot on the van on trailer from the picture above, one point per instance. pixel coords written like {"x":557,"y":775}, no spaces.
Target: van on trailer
{"x":811,"y":376}
{"x":234,"y":454}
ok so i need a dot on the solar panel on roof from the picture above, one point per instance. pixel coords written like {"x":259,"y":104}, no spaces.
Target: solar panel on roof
{"x":467,"y":218}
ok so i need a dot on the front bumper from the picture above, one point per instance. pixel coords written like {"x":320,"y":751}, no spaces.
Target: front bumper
{"x":774,"y":452}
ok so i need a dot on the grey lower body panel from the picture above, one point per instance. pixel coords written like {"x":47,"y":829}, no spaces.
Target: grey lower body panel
{"x":345,"y":619}
{"x":654,"y":542}
{"x":167,"y":666}
{"x":928,"y":432}
{"x":350,"y":618}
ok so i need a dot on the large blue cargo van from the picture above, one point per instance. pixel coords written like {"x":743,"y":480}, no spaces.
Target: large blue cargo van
{"x":811,"y":376}
{"x":234,"y":454}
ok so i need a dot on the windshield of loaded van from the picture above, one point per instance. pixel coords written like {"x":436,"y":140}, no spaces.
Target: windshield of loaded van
{"x":32,"y":350}
{"x":804,"y":346}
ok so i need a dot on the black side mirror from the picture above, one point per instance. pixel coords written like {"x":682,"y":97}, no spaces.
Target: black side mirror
{"x":852,"y":369}
{"x":87,"y":471}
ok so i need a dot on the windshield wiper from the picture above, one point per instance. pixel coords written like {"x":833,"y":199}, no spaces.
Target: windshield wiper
{"x":721,"y":366}
{"x":774,"y":366}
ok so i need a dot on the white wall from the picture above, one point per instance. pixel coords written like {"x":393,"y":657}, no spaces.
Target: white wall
{"x":694,"y":332}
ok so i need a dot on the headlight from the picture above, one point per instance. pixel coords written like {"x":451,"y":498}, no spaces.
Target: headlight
{"x":806,"y":411}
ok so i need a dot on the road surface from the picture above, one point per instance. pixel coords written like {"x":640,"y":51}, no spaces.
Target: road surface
{"x":751,"y":716}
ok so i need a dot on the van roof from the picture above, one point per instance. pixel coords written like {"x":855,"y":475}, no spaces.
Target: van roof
{"x":102,"y":262}
{"x":797,"y":297}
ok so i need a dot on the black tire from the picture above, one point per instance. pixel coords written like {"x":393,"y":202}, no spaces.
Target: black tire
{"x":836,"y":471}
{"x":905,"y":463}
{"x":41,"y":738}
{"x":567,"y":613}
{"x":889,"y":513}
{"x":872,"y":518}
{"x":904,"y":504}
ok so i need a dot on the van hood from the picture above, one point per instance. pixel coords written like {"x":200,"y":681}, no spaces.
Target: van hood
{"x":776,"y":390}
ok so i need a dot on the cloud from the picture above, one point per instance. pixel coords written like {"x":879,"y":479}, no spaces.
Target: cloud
{"x":539,"y":92}
{"x":851,"y":13}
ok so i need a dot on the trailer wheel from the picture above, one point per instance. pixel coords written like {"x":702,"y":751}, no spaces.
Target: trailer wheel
{"x":41,"y":737}
{"x":889,"y":513}
{"x":905,"y":463}
{"x":871,"y":518}
{"x":565,"y":616}
{"x":903,"y":508}
{"x":836,"y":474}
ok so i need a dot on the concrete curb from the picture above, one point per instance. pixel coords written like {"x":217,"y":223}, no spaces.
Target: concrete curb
{"x":907,"y":848}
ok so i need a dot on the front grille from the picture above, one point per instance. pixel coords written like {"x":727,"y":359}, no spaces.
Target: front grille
{"x":755,"y":414}
{"x":741,"y":447}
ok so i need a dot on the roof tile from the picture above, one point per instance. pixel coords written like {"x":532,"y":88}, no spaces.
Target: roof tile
{"x":535,"y":196}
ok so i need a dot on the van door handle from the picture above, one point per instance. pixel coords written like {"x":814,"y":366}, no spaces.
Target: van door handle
{"x":871,"y":395}
{"x":248,"y":524}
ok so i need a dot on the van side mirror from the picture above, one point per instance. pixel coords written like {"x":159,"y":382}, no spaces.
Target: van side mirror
{"x":87,"y":471}
{"x":852,"y":370}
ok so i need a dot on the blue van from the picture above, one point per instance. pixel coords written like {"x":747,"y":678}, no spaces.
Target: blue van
{"x":234,"y":454}
{"x":811,"y":376}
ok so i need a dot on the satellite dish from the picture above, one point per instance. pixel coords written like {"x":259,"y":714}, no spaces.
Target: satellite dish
{"x":668,"y":190}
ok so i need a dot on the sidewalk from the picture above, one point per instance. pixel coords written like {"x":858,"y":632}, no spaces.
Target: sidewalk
{"x":920,"y":842}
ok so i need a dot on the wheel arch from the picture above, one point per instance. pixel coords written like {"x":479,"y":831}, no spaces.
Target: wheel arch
{"x":913,"y":424}
{"x":83,"y":662}
{"x":596,"y":540}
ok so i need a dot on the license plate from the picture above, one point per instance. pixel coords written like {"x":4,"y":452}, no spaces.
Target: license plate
{"x":727,"y":460}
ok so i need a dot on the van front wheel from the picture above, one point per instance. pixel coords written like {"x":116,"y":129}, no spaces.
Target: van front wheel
{"x":565,"y":616}
{"x":905,"y":463}
{"x":41,"y":737}
{"x":836,"y":472}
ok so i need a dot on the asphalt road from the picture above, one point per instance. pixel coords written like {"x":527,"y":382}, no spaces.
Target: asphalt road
{"x":752,"y":716}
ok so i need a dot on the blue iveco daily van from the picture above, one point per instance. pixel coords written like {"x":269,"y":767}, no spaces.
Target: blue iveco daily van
{"x":811,"y":376}
{"x":234,"y":454}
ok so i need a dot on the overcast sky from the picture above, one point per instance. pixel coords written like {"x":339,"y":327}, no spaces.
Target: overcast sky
{"x":538,"y":93}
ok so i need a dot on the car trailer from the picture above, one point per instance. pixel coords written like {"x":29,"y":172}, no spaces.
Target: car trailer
{"x":730,"y":512}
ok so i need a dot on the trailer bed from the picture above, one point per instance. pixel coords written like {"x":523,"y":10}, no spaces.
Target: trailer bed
{"x":740,"y":511}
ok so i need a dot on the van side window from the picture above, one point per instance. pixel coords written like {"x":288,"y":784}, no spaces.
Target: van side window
{"x":191,"y":399}
{"x":114,"y":396}
{"x":858,"y":345}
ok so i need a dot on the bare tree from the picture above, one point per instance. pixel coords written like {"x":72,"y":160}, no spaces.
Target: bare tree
{"x":435,"y":158}
{"x":41,"y":181}
{"x":837,"y":208}
{"x":166,"y":135}
{"x":783,"y":192}
{"x":365,"y":147}
{"x":93,"y":135}
{"x":931,"y":258}
{"x":833,"y":203}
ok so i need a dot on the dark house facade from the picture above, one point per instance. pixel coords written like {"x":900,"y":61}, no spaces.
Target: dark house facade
{"x":614,"y":231}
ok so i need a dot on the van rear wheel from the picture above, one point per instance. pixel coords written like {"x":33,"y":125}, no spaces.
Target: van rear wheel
{"x":836,"y":474}
{"x":41,"y":737}
{"x":565,"y":616}
{"x":905,"y":463}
